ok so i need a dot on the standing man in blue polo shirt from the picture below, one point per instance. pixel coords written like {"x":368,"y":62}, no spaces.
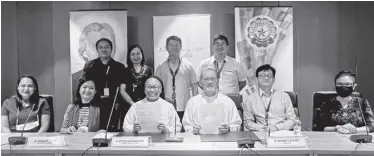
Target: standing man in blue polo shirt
{"x":231,"y":74}
{"x":178,"y":76}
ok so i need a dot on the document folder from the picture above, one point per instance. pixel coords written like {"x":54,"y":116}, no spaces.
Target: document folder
{"x":156,"y":137}
{"x":229,"y":137}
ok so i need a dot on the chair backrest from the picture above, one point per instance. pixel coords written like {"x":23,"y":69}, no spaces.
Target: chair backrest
{"x":318,"y":98}
{"x":294,"y":101}
{"x":237,"y":98}
{"x":49,"y":99}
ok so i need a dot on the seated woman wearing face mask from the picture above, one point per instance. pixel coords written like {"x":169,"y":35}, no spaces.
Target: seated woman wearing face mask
{"x":346,"y":113}
{"x":28,"y":106}
{"x":84,"y":114}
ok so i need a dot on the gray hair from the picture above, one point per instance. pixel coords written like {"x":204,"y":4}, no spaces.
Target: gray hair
{"x":206,"y":69}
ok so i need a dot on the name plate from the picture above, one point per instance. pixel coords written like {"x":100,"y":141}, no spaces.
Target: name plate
{"x":52,"y":141}
{"x":130,"y":141}
{"x":288,"y":141}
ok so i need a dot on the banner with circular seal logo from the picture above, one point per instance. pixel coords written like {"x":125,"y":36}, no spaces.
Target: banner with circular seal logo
{"x":264,"y":35}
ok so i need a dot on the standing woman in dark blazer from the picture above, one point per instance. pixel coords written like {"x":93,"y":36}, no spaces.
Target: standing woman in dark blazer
{"x":139,"y":73}
{"x":27,"y":104}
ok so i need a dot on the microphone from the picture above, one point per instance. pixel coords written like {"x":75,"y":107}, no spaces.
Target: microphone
{"x":246,"y":142}
{"x":104,"y":142}
{"x":20,"y":140}
{"x":174,"y":138}
{"x":362,"y":138}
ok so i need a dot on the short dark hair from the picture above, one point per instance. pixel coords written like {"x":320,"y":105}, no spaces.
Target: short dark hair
{"x":220,"y":37}
{"x":162,"y":94}
{"x":104,"y":39}
{"x":129,"y":62}
{"x":265,"y":67}
{"x":175,"y":38}
{"x":345,"y":73}
{"x":34,"y":98}
{"x":95,"y":101}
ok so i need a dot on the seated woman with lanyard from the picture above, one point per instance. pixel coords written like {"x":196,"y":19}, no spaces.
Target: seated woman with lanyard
{"x":345,"y":113}
{"x":84,"y":114}
{"x":25,"y":107}
{"x":168,"y":121}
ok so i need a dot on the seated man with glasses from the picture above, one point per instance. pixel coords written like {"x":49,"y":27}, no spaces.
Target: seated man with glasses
{"x":168,"y":119}
{"x":267,"y":108}
{"x":345,"y":113}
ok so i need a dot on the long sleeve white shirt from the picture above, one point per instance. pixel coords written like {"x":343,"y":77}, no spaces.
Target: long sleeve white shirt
{"x":281,"y":112}
{"x":230,"y":112}
{"x":168,"y":116}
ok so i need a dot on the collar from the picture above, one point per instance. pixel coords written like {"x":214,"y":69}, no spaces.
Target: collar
{"x":212,"y":59}
{"x":180,"y":58}
{"x":210,"y":99}
{"x":341,"y":99}
{"x":25,"y":105}
{"x":146,"y":100}
{"x":262,"y":93}
{"x":84,"y":105}
{"x":110,"y":62}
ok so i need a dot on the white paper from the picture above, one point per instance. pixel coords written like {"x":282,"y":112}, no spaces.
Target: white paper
{"x":47,"y":141}
{"x":211,"y":116}
{"x":282,"y":133}
{"x":102,"y":135}
{"x":149,"y":116}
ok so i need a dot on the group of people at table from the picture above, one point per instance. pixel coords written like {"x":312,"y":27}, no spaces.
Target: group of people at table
{"x":264,"y":108}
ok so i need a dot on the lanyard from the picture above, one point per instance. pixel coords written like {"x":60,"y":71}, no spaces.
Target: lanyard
{"x":137,"y":75}
{"x":219,"y":69}
{"x":267,"y":109}
{"x":173,"y":96}
{"x":106,"y":75}
{"x":27,"y":116}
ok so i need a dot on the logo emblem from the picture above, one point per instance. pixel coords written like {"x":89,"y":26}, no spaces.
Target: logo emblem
{"x":261,"y":32}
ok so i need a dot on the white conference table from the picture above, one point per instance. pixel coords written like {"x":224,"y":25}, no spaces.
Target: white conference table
{"x":321,"y":143}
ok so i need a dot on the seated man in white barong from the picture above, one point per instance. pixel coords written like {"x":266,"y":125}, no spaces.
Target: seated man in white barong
{"x":210,"y":112}
{"x":153,"y":113}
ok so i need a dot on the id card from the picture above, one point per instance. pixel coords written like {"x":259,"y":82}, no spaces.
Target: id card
{"x":106,"y":91}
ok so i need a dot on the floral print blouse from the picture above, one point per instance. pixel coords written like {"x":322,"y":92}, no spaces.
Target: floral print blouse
{"x":334,"y":114}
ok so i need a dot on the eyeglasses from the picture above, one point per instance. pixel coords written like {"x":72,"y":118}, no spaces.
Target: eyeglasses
{"x":344,"y":84}
{"x":216,"y":44}
{"x":266,"y":76}
{"x":156,"y":87}
{"x":211,"y":79}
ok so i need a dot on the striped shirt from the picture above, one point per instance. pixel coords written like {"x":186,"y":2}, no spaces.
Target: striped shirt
{"x":83,"y":117}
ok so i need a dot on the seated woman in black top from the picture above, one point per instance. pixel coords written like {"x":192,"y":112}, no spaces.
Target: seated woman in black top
{"x":139,"y":73}
{"x":345,"y":113}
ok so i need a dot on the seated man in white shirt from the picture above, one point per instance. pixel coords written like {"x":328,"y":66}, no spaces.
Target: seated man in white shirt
{"x":169,"y":120}
{"x":192,"y":120}
{"x":265,"y":108}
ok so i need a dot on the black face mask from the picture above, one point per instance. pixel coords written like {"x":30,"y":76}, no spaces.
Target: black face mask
{"x":344,"y":91}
